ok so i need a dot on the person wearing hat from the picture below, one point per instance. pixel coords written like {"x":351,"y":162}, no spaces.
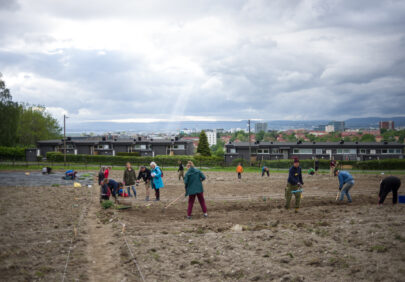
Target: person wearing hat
{"x":294,"y":185}
{"x":346,"y":182}
{"x":388,"y":184}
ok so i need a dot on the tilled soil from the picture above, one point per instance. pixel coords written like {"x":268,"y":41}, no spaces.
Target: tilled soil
{"x":248,"y":236}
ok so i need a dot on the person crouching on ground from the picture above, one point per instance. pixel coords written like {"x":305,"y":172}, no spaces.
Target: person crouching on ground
{"x":239,"y":170}
{"x":114,"y":186}
{"x":265,"y":170}
{"x":105,"y":190}
{"x":346,"y":182}
{"x":129,"y":179}
{"x":388,"y":184}
{"x":144,"y":174}
{"x":180,"y":171}
{"x":294,"y":185}
{"x":193,"y":181}
{"x":157,"y":181}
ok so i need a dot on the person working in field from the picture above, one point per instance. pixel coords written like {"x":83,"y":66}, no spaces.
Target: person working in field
{"x":388,"y":184}
{"x":316,"y":164}
{"x":70,"y":174}
{"x":144,"y":174}
{"x":180,"y":170}
{"x":332,"y":165}
{"x":311,"y":171}
{"x":106,"y":172}
{"x":265,"y":170}
{"x":105,"y":190}
{"x":130,"y":179}
{"x":157,"y":181}
{"x":346,"y":182}
{"x":113,"y":186}
{"x":294,"y":185}
{"x":193,"y":181}
{"x":101,"y":175}
{"x":239,"y":170}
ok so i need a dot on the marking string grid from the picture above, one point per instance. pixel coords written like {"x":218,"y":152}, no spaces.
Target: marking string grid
{"x":130,"y":251}
{"x":74,"y":235}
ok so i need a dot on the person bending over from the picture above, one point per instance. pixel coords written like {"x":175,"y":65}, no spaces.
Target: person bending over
{"x":388,"y":184}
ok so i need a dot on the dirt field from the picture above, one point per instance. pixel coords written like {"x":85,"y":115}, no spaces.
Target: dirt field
{"x":61,"y":233}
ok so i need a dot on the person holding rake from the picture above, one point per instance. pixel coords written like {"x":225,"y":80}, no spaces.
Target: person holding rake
{"x":294,"y":185}
{"x":194,"y":188}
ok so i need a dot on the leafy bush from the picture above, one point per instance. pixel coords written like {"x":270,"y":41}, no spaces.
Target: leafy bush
{"x":131,"y":154}
{"x":12,"y":153}
{"x":107,"y":204}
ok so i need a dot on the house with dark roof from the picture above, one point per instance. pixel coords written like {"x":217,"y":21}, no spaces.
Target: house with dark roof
{"x":103,"y":146}
{"x":309,"y":150}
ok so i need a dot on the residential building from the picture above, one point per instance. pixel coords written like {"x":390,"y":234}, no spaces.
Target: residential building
{"x":212,"y":137}
{"x":309,"y":150}
{"x":387,"y":124}
{"x":260,"y":126}
{"x":329,"y":128}
{"x":104,"y":146}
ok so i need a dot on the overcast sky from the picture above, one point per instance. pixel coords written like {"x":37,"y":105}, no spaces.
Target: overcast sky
{"x":205,"y":60}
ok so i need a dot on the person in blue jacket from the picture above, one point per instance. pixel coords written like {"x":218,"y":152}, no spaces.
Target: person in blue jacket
{"x":346,"y":182}
{"x":157,"y":181}
{"x":294,"y":185}
{"x":265,"y":170}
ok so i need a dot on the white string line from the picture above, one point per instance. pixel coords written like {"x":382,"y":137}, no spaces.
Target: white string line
{"x":36,"y":243}
{"x":130,"y":250}
{"x":72,"y":239}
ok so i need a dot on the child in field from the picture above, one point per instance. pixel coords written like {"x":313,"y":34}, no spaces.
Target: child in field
{"x":311,"y":171}
{"x":194,"y":188}
{"x":106,"y":172}
{"x":70,"y":174}
{"x":294,"y":185}
{"x":180,"y":170}
{"x":239,"y":170}
{"x":390,"y":183}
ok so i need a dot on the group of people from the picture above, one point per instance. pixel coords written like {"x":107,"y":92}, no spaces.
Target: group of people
{"x":151,"y":177}
{"x":295,"y":183}
{"x":193,"y":179}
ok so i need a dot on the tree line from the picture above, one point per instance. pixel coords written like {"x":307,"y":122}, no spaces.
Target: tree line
{"x":23,"y":124}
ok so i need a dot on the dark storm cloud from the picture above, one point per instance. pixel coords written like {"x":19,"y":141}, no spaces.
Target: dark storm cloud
{"x":232,"y":59}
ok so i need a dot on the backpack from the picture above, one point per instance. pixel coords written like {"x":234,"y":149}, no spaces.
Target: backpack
{"x":161,"y":172}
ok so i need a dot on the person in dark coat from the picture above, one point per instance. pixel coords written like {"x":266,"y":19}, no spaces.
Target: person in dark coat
{"x":316,"y":165}
{"x":101,"y":176}
{"x":130,"y":179}
{"x":145,"y":174}
{"x":180,"y":170}
{"x":194,"y":188}
{"x":105,"y":191}
{"x":113,"y":185}
{"x":388,"y":184}
{"x":294,"y":185}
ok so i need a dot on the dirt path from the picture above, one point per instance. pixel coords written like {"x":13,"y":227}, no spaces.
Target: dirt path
{"x":103,"y":253}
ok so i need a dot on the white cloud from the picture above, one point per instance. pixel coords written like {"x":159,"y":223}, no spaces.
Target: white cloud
{"x":206,"y":60}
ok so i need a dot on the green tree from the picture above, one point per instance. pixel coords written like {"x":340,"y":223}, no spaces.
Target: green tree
{"x":367,"y":138}
{"x":203,"y":147}
{"x":260,"y":135}
{"x":36,"y":124}
{"x":9,"y":116}
{"x":218,"y":149}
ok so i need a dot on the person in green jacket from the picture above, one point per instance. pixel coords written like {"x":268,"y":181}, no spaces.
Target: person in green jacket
{"x":130,"y":179}
{"x":193,"y":181}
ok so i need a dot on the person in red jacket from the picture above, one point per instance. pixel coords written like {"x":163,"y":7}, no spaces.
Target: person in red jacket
{"x":106,"y":172}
